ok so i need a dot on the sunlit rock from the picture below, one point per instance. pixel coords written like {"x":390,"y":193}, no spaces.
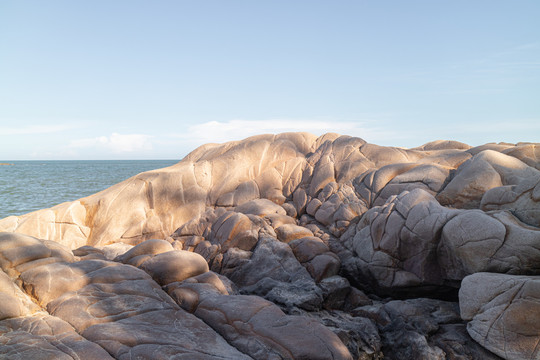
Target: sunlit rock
{"x":286,"y":246}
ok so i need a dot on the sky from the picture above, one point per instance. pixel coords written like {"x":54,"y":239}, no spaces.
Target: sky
{"x":129,"y":79}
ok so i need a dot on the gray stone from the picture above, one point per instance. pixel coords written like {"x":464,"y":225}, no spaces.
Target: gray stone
{"x":504,"y":313}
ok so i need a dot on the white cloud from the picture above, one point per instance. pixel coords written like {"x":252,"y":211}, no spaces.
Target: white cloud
{"x":215,"y":131}
{"x":116,"y":143}
{"x":35,"y":129}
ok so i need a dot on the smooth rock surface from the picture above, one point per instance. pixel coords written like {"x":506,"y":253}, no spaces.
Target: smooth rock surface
{"x":504,"y":313}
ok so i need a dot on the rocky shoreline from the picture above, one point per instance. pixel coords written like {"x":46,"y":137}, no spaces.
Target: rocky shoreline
{"x":286,"y":246}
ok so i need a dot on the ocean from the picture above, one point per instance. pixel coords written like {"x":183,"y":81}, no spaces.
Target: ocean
{"x":26,"y":186}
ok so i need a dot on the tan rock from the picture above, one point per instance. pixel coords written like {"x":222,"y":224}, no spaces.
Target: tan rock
{"x":528,"y":153}
{"x":148,"y":247}
{"x":245,"y":192}
{"x":290,"y":209}
{"x":13,"y":302}
{"x":313,"y":206}
{"x":490,"y":146}
{"x":307,"y":248}
{"x":300,"y":200}
{"x":428,"y":177}
{"x":486,"y":170}
{"x":17,"y":249}
{"x":43,"y":337}
{"x":155,"y":203}
{"x":270,"y":332}
{"x":381,"y":155}
{"x":290,"y":232}
{"x":384,"y":217}
{"x":176,"y":265}
{"x":120,"y":308}
{"x":260,"y":207}
{"x":234,"y":229}
{"x":111,"y":251}
{"x":444,"y":144}
{"x":276,"y":220}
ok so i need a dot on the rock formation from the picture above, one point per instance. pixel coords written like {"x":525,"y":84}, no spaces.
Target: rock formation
{"x":286,"y":246}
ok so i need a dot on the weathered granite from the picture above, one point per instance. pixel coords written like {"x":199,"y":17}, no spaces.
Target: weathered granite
{"x":504,"y":313}
{"x":286,"y":246}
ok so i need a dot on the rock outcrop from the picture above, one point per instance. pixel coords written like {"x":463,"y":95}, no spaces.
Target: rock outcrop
{"x":286,"y":246}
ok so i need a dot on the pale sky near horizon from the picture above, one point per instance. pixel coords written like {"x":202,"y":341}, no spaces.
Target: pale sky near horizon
{"x":130,"y":79}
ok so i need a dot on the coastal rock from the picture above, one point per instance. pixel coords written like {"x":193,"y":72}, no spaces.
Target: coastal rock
{"x":504,"y":313}
{"x":13,"y":301}
{"x":422,"y":329}
{"x":272,"y":333}
{"x":176,"y":265}
{"x":116,"y":307}
{"x":498,"y":242}
{"x":395,"y":246}
{"x":412,"y":244}
{"x":529,"y":153}
{"x":522,"y":199}
{"x":487,"y":170}
{"x":256,"y":326}
{"x":286,"y":246}
{"x":45,"y":337}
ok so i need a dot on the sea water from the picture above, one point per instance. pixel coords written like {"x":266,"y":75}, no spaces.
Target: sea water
{"x":26,"y":186}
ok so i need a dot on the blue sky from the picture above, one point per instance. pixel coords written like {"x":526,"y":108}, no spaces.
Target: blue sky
{"x":135,"y":79}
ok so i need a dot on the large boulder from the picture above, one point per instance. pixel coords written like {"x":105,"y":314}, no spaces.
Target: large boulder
{"x":486,"y":170}
{"x":412,"y":246}
{"x":504,"y":313}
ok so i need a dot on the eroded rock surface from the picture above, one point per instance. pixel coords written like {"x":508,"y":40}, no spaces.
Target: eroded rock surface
{"x":503,"y":311}
{"x":286,"y":246}
{"x":256,"y":326}
{"x":99,"y":307}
